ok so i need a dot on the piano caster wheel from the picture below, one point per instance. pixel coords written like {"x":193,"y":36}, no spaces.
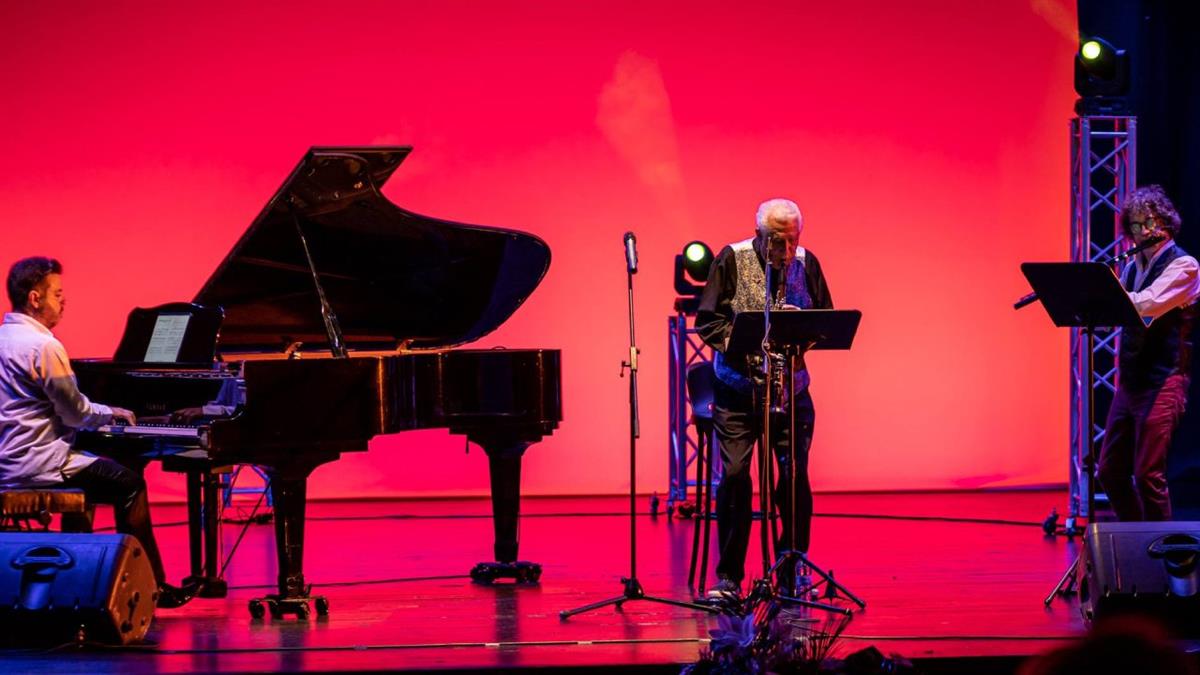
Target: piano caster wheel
{"x":529,"y":575}
{"x":280,"y":606}
{"x":483,"y":573}
{"x":521,"y":572}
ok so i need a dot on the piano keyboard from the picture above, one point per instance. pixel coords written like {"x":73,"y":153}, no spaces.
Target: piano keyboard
{"x":160,"y":430}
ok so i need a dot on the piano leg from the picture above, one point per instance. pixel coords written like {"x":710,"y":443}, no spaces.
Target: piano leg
{"x":504,"y":465}
{"x":290,"y":496}
{"x":289,"y":492}
{"x":195,"y":528}
{"x":214,"y":585}
{"x":204,"y":534}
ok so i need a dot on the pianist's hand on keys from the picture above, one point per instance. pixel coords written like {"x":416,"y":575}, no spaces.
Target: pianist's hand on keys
{"x":123,"y":416}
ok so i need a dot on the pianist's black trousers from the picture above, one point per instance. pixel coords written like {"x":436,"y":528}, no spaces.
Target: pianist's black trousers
{"x":738,"y":425}
{"x":107,"y":482}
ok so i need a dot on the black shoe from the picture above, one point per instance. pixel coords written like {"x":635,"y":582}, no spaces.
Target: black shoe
{"x":725,"y":589}
{"x":171,"y":597}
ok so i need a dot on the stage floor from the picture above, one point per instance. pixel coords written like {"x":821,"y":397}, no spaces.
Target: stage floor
{"x":944,"y":575}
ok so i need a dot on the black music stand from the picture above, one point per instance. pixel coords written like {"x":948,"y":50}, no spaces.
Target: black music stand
{"x":791,"y":334}
{"x":1086,"y":296}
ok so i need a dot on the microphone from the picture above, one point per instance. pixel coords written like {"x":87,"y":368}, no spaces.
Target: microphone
{"x":631,"y":252}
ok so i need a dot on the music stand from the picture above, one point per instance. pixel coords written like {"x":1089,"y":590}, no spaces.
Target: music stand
{"x":1086,"y":296}
{"x":792,"y":333}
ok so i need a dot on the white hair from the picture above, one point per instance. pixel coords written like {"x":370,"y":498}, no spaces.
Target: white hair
{"x":766,"y":208}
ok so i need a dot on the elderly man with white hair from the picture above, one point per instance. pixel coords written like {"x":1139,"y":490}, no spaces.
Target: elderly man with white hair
{"x":737,"y":283}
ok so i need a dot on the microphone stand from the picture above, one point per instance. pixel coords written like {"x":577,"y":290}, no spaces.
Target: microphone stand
{"x":632,"y":587}
{"x":765,"y":467}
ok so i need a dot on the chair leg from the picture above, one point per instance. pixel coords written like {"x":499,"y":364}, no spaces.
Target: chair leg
{"x":700,"y":497}
{"x":771,"y":514}
{"x":705,"y":510}
{"x":79,"y":522}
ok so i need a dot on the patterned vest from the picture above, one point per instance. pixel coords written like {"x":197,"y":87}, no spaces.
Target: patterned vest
{"x":1149,"y":355}
{"x":750,"y":296}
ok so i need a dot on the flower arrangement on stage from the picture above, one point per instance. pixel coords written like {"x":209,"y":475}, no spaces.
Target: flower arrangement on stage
{"x":764,"y":637}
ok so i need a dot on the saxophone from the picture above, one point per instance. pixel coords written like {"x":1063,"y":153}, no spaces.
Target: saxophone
{"x":781,"y":393}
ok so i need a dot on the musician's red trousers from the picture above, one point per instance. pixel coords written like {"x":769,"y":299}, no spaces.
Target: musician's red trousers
{"x":1137,"y":437}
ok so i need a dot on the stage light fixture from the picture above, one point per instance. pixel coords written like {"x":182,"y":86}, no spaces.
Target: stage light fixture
{"x":692,"y":262}
{"x":697,"y":258}
{"x":1101,"y":78}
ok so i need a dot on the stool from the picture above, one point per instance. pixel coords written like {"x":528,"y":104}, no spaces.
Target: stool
{"x":20,"y":508}
{"x":700,"y":377}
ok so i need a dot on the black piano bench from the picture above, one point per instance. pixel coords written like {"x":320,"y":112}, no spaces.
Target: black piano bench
{"x":521,"y":572}
{"x":21,"y":508}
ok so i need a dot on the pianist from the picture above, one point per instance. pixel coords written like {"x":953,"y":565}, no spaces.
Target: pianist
{"x":41,"y":407}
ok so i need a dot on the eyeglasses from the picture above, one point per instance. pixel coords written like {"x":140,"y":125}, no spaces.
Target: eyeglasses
{"x":1145,"y":225}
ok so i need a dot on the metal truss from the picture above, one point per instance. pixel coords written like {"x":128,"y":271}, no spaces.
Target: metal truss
{"x":684,"y":348}
{"x":1103,"y":173}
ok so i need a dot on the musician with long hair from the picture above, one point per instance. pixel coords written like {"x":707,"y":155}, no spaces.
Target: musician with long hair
{"x":1154,"y":363}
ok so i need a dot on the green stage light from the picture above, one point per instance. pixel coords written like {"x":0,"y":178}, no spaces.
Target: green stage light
{"x":1101,"y":77}
{"x":692,"y":263}
{"x":698,"y":259}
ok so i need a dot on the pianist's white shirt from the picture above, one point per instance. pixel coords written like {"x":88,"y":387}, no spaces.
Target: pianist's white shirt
{"x":40,"y":407}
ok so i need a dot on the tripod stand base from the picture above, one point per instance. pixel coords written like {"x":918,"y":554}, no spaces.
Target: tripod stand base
{"x":633,"y":591}
{"x":1066,"y":585}
{"x":832,"y":587}
{"x":764,"y":590}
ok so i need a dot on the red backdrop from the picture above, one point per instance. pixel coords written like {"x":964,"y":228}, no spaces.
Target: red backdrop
{"x":925,"y":141}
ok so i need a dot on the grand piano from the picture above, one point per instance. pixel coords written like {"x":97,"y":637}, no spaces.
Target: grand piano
{"x":344,"y":311}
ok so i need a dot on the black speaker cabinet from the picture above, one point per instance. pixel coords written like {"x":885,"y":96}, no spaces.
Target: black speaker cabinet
{"x":56,"y":588}
{"x":1150,"y":568}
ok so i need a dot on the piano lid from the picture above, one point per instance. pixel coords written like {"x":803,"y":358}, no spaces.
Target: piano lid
{"x":390,"y":275}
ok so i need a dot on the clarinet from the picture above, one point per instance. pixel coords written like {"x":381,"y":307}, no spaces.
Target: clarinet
{"x":1150,"y":241}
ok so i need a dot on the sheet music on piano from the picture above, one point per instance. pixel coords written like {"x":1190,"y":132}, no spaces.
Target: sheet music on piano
{"x":167,"y":337}
{"x":177,"y":334}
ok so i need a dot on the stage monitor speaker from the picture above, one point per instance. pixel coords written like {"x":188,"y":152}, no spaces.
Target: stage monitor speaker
{"x":57,"y":588}
{"x":1144,"y":567}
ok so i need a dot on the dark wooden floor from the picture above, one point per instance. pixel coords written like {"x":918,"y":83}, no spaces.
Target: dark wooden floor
{"x":395,"y":574}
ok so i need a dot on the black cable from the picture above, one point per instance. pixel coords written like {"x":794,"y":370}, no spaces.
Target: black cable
{"x":614,"y":514}
{"x":156,"y":649}
{"x":610,"y":514}
{"x":955,"y":638}
{"x":386,"y":647}
{"x":242,"y":533}
{"x":361,"y":582}
{"x":113,"y":528}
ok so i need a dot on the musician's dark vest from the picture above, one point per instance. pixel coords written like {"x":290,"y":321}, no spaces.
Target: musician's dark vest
{"x":750,"y":296}
{"x":1149,"y":355}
